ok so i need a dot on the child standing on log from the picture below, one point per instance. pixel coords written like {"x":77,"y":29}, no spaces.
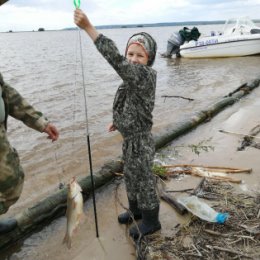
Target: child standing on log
{"x":132,"y":117}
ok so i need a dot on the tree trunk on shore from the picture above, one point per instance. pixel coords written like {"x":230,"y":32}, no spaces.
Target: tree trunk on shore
{"x":169,"y":134}
{"x":55,"y":205}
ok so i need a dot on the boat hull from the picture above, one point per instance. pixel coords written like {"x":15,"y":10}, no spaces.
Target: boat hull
{"x":217,"y":48}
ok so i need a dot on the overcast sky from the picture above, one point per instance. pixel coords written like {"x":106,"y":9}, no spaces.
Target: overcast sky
{"x":19,"y":15}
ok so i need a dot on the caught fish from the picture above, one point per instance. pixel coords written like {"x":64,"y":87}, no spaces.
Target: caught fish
{"x":74,"y":211}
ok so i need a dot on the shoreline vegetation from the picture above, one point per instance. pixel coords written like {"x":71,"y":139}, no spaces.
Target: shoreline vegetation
{"x":142,"y":25}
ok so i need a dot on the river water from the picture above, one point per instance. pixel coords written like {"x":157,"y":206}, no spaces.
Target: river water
{"x":45,"y":67}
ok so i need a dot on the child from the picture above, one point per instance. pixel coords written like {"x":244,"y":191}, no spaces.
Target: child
{"x":132,"y":117}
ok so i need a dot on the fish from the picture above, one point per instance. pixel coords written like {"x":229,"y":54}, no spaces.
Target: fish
{"x":74,"y":213}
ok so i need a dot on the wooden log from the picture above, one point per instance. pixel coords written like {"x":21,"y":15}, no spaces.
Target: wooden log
{"x":181,"y":128}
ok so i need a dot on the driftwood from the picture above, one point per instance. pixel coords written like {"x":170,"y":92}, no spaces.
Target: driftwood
{"x":169,"y":199}
{"x":165,"y":96}
{"x":213,"y":172}
{"x":199,"y":187}
{"x":239,"y":134}
{"x":249,"y":140}
{"x":173,"y":202}
{"x":211,"y":168}
{"x":53,"y":206}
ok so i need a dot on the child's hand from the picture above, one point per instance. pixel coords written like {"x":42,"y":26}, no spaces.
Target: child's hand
{"x":111,"y":127}
{"x":80,"y":19}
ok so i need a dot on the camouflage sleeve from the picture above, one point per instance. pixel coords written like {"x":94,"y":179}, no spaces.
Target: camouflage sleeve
{"x":135,"y":73}
{"x":20,"y":109}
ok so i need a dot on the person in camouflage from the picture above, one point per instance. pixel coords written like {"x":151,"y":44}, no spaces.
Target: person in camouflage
{"x":11,"y":172}
{"x":132,"y":117}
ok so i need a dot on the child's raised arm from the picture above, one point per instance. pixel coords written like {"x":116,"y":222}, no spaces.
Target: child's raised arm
{"x":82,"y":21}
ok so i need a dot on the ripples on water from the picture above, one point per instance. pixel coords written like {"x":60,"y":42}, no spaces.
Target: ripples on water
{"x":45,"y":68}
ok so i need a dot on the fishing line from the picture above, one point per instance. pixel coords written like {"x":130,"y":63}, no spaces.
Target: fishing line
{"x":77,"y":5}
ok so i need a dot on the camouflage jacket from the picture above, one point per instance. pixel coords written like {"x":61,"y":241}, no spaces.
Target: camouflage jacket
{"x":16,"y":106}
{"x":134,"y":100}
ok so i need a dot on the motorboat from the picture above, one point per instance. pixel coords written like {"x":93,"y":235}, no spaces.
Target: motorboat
{"x":240,"y":37}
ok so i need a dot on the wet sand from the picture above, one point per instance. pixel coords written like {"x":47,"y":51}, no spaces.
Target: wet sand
{"x":114,"y":242}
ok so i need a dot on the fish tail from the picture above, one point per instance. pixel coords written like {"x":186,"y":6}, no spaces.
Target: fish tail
{"x":67,"y":240}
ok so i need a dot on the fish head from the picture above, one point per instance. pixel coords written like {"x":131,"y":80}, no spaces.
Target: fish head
{"x":73,"y":188}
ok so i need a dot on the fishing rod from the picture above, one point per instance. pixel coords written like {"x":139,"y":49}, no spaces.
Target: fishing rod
{"x":77,"y":5}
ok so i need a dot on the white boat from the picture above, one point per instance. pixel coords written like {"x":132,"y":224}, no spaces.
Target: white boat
{"x":240,"y":37}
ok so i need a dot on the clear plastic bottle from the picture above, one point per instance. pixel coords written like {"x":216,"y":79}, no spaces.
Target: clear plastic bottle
{"x":202,"y":210}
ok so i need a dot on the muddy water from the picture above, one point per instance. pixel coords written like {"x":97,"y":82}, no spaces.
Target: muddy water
{"x":45,"y":68}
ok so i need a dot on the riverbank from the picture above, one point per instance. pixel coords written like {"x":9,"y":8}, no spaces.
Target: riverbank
{"x":114,"y":242}
{"x":239,"y":118}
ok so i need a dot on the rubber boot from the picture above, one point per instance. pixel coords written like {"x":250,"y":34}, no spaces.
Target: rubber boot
{"x":150,"y":223}
{"x":126,"y":217}
{"x":7,"y":225}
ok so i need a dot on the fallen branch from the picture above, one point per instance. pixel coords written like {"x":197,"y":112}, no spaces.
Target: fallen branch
{"x":170,"y":200}
{"x":239,"y":134}
{"x":173,"y":202}
{"x":210,"y":168}
{"x":215,"y":233}
{"x":199,"y":187}
{"x":165,"y":96}
{"x":185,"y":190}
{"x":216,"y":173}
{"x":227,"y":250}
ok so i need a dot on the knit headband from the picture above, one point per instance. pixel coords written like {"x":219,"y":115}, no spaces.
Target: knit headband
{"x":148,"y":44}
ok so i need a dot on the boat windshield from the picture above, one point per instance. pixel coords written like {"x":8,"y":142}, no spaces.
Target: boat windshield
{"x":232,"y":24}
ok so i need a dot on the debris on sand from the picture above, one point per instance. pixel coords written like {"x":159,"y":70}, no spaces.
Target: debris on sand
{"x":237,"y":238}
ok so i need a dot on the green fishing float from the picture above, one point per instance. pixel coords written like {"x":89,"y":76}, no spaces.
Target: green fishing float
{"x":76,"y":3}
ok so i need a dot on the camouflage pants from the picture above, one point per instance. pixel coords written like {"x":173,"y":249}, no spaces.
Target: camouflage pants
{"x":11,"y":173}
{"x":138,"y":154}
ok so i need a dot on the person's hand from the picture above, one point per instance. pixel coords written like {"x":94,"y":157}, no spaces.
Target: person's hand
{"x":111,"y":127}
{"x":52,"y":132}
{"x":80,"y":19}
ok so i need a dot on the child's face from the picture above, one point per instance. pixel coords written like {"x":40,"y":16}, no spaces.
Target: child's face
{"x":136,"y":54}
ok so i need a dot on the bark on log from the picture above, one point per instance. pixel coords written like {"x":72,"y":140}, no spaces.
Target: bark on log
{"x":46,"y":210}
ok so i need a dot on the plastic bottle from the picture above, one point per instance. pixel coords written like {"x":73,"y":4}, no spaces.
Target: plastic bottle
{"x":202,"y":210}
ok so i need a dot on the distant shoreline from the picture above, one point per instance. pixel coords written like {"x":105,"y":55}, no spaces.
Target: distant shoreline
{"x":192,"y":23}
{"x":141,"y":25}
